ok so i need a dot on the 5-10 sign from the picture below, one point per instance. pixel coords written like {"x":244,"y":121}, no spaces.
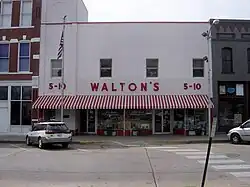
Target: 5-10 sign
{"x":194,"y":86}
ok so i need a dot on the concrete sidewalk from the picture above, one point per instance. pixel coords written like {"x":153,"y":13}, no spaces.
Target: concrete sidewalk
{"x":127,"y":140}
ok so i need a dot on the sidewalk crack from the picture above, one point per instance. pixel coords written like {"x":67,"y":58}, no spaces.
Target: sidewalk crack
{"x":151,"y":167}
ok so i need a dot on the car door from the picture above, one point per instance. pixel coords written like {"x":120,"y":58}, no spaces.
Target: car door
{"x":246,"y":131}
{"x":36,"y":133}
{"x":32,"y":133}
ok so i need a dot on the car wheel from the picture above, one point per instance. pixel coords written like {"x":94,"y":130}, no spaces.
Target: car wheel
{"x":65,"y":145}
{"x":40,"y":143}
{"x":235,"y":138}
{"x":28,"y":141}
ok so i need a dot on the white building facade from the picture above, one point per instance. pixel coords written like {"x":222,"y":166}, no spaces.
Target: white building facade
{"x":128,"y":78}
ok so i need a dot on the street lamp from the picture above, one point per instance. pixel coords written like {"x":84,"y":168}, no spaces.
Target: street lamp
{"x":208,"y":60}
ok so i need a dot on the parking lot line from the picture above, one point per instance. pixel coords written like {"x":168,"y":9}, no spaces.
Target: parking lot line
{"x":83,"y":150}
{"x":17,"y":146}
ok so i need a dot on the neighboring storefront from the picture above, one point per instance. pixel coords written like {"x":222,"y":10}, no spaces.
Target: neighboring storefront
{"x":231,"y":72}
{"x":15,"y":106}
{"x":232,"y":105}
{"x":124,"y":78}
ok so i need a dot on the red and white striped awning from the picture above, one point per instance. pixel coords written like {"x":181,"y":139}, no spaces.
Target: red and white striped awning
{"x":122,"y":102}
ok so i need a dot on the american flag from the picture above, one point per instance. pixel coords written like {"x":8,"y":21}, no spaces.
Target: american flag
{"x":60,"y":49}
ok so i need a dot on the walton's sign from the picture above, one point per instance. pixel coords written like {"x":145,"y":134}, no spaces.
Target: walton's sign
{"x":122,"y":86}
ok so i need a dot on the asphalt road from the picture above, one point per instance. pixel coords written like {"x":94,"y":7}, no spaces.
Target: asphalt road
{"x":173,"y":166}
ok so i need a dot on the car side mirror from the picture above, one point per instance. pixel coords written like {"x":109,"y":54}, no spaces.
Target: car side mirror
{"x":242,"y":126}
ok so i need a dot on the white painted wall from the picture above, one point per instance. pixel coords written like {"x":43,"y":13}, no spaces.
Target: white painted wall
{"x":128,"y":44}
{"x":4,"y":127}
{"x":54,"y":11}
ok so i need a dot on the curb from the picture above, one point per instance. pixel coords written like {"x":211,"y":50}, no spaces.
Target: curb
{"x":193,"y":142}
{"x":73,"y":142}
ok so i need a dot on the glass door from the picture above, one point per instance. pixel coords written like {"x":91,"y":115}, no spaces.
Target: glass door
{"x":91,"y":122}
{"x":158,"y":121}
{"x":166,"y":121}
{"x":162,"y":121}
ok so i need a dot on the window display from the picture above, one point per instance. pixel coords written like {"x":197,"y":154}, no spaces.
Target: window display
{"x":138,"y":119}
{"x":91,"y":121}
{"x":195,"y":119}
{"x":112,"y":119}
{"x":231,"y":113}
{"x":179,"y":119}
{"x":166,"y":121}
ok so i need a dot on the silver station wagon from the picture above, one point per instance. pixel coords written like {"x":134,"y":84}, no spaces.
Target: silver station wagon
{"x":51,"y":132}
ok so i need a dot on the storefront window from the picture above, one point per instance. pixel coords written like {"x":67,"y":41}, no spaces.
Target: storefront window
{"x":230,"y":113}
{"x":190,"y":119}
{"x":179,"y":118}
{"x":196,"y":119}
{"x":21,"y":105}
{"x":166,"y":121}
{"x":91,"y":121}
{"x":112,"y":119}
{"x":49,"y":114}
{"x":140,"y":119}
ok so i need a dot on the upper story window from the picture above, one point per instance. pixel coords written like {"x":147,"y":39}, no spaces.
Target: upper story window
{"x":5,"y":13}
{"x":152,"y":67}
{"x":198,"y":68}
{"x":4,"y":57}
{"x":3,"y":92}
{"x":24,"y":57}
{"x":106,"y":68}
{"x":227,"y":60}
{"x":248,"y":59}
{"x":26,"y":13}
{"x":56,"y":68}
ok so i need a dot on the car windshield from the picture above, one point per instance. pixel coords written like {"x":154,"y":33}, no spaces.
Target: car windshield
{"x":57,"y":127}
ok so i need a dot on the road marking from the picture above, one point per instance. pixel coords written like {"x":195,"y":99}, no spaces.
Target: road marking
{"x":204,"y":156}
{"x":232,"y":167}
{"x":83,"y":150}
{"x":161,"y":147}
{"x":181,"y":150}
{"x":16,"y":146}
{"x":120,"y":143}
{"x":240,"y":174}
{"x":232,"y":161}
{"x":12,"y":154}
{"x":192,"y":153}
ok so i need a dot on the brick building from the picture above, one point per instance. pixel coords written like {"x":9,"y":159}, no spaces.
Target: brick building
{"x":20,"y":22}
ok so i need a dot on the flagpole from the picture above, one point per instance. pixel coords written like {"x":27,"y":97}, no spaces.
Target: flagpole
{"x":62,"y":72}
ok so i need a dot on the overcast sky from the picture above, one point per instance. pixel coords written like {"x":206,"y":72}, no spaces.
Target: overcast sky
{"x":166,"y":10}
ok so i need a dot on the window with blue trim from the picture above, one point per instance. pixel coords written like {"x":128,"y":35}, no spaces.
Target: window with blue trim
{"x":4,"y":57}
{"x":24,"y":57}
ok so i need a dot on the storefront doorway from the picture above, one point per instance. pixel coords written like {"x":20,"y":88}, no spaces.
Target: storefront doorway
{"x":162,"y":122}
{"x":91,"y":122}
{"x":87,"y":122}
